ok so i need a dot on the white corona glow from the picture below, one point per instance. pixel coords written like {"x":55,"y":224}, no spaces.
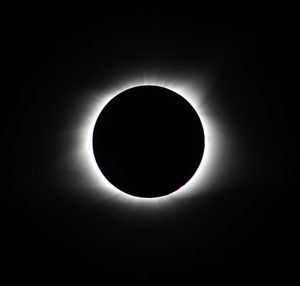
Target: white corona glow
{"x":85,"y":158}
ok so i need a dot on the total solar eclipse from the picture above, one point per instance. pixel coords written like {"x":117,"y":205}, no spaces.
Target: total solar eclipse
{"x":148,"y":141}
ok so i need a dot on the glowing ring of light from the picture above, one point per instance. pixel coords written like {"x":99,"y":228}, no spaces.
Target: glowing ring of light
{"x":86,"y":158}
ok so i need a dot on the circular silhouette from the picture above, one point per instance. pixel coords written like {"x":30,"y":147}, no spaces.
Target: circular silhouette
{"x":148,"y":141}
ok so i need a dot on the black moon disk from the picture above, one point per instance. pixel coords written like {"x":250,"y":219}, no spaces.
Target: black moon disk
{"x":148,"y":141}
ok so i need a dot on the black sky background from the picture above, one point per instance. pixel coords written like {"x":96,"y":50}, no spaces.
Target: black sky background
{"x":249,"y":224}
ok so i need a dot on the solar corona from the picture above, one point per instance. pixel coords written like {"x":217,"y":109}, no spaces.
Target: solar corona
{"x":148,"y":176}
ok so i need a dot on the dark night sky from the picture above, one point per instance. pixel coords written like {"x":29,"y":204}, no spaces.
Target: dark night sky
{"x":248,"y":219}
